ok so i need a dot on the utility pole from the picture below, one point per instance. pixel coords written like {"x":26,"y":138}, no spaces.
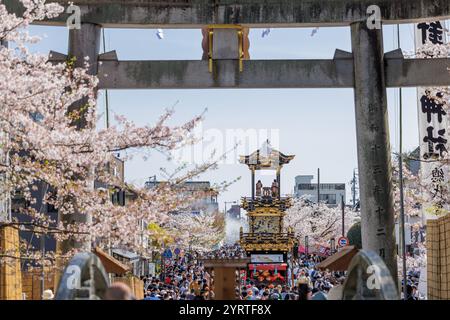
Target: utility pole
{"x":354,"y":183}
{"x":354,"y":188}
{"x":318,"y":185}
{"x":42,"y":263}
{"x":306,"y":246}
{"x":106,"y":91}
{"x":343,"y":215}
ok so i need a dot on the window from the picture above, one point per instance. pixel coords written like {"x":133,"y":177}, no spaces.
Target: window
{"x":306,"y":186}
{"x":328,"y":198}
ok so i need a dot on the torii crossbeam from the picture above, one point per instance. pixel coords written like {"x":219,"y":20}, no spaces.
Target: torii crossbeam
{"x":250,"y":13}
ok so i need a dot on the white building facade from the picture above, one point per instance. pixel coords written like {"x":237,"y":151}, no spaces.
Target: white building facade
{"x":330,"y":193}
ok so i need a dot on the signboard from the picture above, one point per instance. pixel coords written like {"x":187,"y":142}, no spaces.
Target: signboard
{"x":323,"y":251}
{"x":422,"y":287}
{"x":432,"y":118}
{"x":266,"y":258}
{"x":408,"y":235}
{"x":151,"y":269}
{"x":167,"y":254}
{"x":343,"y":241}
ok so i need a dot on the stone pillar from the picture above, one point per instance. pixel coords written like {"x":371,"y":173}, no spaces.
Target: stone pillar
{"x":374,"y":152}
{"x":84,"y":42}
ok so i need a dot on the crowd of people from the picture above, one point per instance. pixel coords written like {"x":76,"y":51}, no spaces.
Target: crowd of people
{"x":187,"y":279}
{"x":412,"y":285}
{"x":308,"y":283}
{"x":227,"y":251}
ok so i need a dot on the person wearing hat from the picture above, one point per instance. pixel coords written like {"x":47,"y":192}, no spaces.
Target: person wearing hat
{"x":48,"y":295}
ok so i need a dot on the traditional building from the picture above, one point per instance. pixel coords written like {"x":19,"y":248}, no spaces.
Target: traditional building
{"x":206,"y":204}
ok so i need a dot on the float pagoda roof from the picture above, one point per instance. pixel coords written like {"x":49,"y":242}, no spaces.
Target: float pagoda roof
{"x":266,"y":158}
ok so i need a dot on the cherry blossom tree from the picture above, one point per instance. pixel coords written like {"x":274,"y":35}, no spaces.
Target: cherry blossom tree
{"x":319,"y":222}
{"x":412,"y":190}
{"x":44,"y":145}
{"x":199,"y":232}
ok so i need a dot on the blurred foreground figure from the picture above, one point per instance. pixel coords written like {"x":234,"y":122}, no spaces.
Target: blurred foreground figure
{"x":119,"y":291}
{"x":48,"y":295}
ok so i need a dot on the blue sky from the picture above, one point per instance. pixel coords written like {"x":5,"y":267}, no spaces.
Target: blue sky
{"x":317,"y":125}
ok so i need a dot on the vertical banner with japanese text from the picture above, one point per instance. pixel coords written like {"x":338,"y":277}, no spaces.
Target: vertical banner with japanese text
{"x":433,"y":124}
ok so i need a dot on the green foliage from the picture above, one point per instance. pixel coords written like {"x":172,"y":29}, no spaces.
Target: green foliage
{"x":70,"y":62}
{"x":354,"y":235}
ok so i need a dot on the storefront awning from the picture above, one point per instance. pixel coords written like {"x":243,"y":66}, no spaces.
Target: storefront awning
{"x":126,"y":254}
{"x":111,"y":264}
{"x":340,"y":260}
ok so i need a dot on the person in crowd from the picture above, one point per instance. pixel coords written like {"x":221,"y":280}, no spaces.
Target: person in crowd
{"x":119,"y":291}
{"x":274,"y":188}
{"x":48,"y":295}
{"x":304,"y":291}
{"x":411,"y":292}
{"x":187,"y":279}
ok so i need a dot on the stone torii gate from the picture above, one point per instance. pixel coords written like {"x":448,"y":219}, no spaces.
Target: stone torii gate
{"x":368,"y":70}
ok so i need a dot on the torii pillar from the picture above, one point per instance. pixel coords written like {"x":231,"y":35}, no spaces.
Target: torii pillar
{"x":374,"y":152}
{"x":83,"y":42}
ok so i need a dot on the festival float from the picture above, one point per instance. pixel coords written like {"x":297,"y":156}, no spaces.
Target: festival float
{"x":269,"y":247}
